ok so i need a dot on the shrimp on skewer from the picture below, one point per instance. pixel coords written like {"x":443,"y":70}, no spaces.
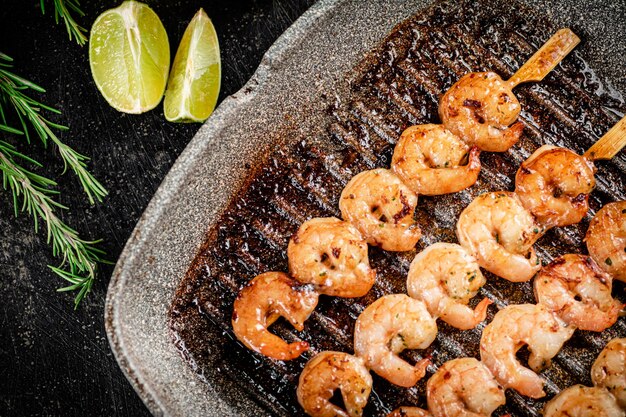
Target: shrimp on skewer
{"x":606,"y":239}
{"x":554,"y":185}
{"x":388,"y":326}
{"x":327,"y":372}
{"x":609,"y":370}
{"x":463,"y":387}
{"x":581,"y":401}
{"x":260,"y":303}
{"x":499,"y":232}
{"x":579,"y":292}
{"x":429,"y":158}
{"x":481,"y":108}
{"x":409,"y":412}
{"x":445,"y":277}
{"x":331,"y":255}
{"x":517,"y":325}
{"x":381,"y":207}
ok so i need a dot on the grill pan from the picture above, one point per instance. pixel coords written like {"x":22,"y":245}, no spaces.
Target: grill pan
{"x":399,"y":84}
{"x":358,"y":117}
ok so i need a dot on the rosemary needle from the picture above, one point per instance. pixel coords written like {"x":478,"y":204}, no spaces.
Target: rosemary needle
{"x":63,"y":9}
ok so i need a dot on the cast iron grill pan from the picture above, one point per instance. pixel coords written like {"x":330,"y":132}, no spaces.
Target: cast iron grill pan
{"x":398,"y":84}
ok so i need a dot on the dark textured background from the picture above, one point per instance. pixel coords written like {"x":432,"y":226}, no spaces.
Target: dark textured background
{"x":54,"y":360}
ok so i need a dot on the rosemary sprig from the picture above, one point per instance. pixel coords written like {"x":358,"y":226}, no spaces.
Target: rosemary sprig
{"x":63,"y":9}
{"x":34,"y":194}
{"x":81,"y":256}
{"x":12,"y":89}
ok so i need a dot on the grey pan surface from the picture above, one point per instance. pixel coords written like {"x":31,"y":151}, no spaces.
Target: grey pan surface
{"x":311,"y":57}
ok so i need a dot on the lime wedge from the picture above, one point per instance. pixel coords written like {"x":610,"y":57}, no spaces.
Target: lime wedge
{"x":194,"y":83}
{"x":129,"y":55}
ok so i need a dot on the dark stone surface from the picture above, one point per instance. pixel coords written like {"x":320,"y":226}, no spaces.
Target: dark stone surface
{"x":54,"y":360}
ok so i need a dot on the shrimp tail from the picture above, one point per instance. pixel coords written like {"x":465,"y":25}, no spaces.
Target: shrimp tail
{"x":409,"y":412}
{"x":511,"y":135}
{"x":515,"y":131}
{"x":277,"y":348}
{"x":473,"y":164}
{"x":463,"y":176}
{"x":504,"y":138}
{"x":462,"y":317}
{"x":610,"y":318}
{"x":420,"y":368}
{"x":595,"y":325}
{"x":480,"y":312}
{"x":296,"y":349}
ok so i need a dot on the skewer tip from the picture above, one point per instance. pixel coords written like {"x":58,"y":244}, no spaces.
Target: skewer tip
{"x":610,"y":144}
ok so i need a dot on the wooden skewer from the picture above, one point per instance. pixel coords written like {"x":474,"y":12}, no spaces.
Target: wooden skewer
{"x":610,"y":144}
{"x":546,"y":58}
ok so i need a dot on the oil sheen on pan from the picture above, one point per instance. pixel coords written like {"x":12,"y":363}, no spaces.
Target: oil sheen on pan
{"x":397,"y":85}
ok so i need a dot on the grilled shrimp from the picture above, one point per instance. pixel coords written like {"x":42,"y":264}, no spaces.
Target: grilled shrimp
{"x":578,"y":291}
{"x":260,"y":303}
{"x":554,"y":185}
{"x":606,"y":239}
{"x":428,"y":159}
{"x":331,"y":255}
{"x":409,"y":412}
{"x":379,"y":204}
{"x":499,"y":232}
{"x":581,"y":401}
{"x":609,"y":370}
{"x":517,"y":325}
{"x":463,"y":387}
{"x":327,"y":372}
{"x":445,"y":277}
{"x":388,"y":326}
{"x":481,"y":109}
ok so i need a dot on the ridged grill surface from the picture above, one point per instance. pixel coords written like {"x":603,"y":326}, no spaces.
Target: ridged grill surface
{"x":397,"y":85}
